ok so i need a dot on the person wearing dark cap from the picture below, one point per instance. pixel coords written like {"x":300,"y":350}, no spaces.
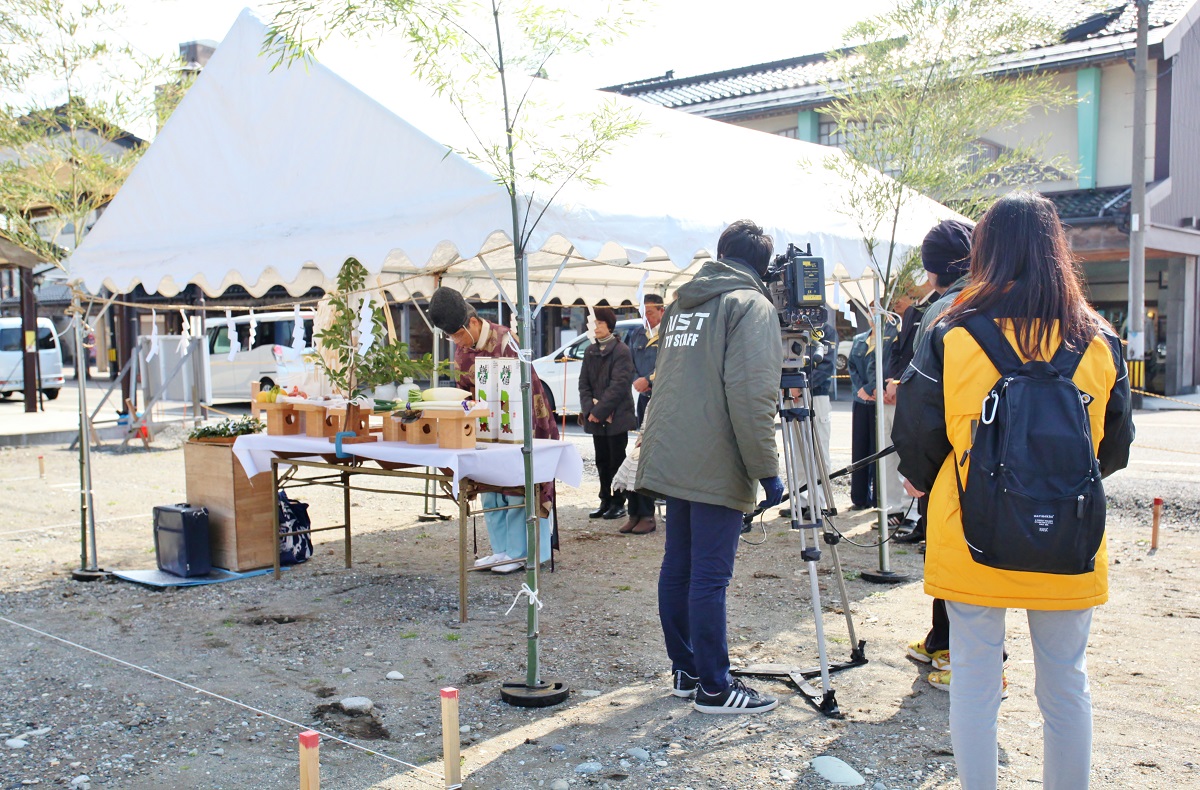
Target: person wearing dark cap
{"x":946,"y":257}
{"x":606,"y":407}
{"x":476,"y":337}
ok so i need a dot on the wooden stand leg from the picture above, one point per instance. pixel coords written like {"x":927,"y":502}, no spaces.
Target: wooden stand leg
{"x":464,"y":512}
{"x":450,"y":756}
{"x":275,"y":512}
{"x":310,"y":762}
{"x":346,"y":512}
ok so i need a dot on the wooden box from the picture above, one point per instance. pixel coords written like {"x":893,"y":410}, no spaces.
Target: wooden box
{"x":423,"y":431}
{"x":240,"y":518}
{"x":459,"y":431}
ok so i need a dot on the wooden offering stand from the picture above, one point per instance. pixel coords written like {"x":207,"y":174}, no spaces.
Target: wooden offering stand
{"x":423,"y":431}
{"x":318,"y":423}
{"x":282,"y":419}
{"x":457,"y":429}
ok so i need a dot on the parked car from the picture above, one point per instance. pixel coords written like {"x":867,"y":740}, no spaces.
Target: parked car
{"x":559,"y":370}
{"x":270,"y":360}
{"x":843,"y":355}
{"x":12,"y":367}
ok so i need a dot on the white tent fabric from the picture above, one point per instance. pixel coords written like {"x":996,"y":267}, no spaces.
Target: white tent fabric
{"x":267,"y":177}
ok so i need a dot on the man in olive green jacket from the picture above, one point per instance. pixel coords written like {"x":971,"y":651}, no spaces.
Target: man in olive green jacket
{"x":709,"y":435}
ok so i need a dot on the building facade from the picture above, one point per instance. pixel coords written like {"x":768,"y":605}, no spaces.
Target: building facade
{"x":1094,"y":60}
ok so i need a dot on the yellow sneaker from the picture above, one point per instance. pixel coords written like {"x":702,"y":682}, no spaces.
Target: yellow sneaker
{"x":916,"y":650}
{"x":941,"y":680}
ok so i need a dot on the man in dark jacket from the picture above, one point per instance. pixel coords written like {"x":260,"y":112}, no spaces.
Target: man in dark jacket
{"x":710,"y":433}
{"x":643,"y":345}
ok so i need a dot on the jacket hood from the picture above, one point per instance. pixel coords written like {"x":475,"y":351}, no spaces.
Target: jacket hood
{"x":716,"y":278}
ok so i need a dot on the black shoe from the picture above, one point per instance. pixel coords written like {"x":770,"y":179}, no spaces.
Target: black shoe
{"x":684,"y":685}
{"x":615,"y":510}
{"x":605,"y":505}
{"x":916,"y":535}
{"x":738,"y":698}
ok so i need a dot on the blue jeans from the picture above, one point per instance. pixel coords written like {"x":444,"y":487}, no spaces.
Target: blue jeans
{"x":697,"y":566}
{"x":506,"y":528}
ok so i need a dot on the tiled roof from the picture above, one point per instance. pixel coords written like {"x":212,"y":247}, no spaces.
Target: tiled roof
{"x":1083,"y":205}
{"x":1083,"y":28}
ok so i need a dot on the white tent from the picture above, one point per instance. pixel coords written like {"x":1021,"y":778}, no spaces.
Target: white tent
{"x":273,"y":177}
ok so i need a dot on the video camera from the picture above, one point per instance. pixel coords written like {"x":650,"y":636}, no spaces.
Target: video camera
{"x":796,"y":281}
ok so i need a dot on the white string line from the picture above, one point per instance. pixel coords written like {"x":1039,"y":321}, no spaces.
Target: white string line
{"x":72,"y":524}
{"x":214,"y":695}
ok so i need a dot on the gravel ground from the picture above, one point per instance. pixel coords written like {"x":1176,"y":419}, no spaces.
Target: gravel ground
{"x":296,"y":647}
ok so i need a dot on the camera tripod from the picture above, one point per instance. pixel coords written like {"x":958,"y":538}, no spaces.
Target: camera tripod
{"x":806,"y":467}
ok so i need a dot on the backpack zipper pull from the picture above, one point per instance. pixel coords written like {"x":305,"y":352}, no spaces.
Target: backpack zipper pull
{"x":1079,"y":506}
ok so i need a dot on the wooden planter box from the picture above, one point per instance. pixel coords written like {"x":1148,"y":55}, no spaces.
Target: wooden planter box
{"x":240,"y":516}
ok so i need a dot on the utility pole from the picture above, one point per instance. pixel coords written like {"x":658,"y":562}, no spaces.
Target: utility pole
{"x":1135,"y":350}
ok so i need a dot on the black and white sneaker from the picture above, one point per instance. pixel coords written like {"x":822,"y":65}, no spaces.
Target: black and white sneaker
{"x":738,"y":698}
{"x":684,"y":685}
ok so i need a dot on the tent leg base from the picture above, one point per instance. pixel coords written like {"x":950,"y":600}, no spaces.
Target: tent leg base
{"x":884,"y":577}
{"x":84,"y":575}
{"x":545,"y":695}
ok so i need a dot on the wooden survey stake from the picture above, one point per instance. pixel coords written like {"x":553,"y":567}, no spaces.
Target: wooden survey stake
{"x":310,"y":762}
{"x":450,"y":736}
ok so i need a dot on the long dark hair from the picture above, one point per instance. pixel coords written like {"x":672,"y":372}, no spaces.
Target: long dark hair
{"x":1022,"y":269}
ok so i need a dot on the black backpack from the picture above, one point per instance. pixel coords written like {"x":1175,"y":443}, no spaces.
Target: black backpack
{"x":1033,"y":500}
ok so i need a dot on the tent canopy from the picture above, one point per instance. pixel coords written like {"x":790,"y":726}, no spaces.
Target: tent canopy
{"x":266,"y":177}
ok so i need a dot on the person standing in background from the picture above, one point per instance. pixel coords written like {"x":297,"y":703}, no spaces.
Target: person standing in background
{"x":606,"y":407}
{"x":643,"y":345}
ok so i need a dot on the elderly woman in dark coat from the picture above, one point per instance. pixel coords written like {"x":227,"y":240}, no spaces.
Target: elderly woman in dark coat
{"x":606,"y":406}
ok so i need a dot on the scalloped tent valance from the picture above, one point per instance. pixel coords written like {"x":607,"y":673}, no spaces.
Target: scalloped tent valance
{"x":274,"y":177}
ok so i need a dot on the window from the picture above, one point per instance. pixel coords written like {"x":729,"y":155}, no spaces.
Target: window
{"x":45,"y":339}
{"x":219,"y":342}
{"x":577,"y":349}
{"x":793,"y":132}
{"x":10,"y":339}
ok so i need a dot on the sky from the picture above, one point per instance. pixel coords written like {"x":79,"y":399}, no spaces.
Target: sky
{"x":687,"y":36}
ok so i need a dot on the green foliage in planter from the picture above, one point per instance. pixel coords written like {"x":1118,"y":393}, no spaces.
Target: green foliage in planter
{"x":229,"y":427}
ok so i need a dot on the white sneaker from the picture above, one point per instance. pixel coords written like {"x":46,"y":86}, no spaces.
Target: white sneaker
{"x":489,"y":559}
{"x":509,"y":567}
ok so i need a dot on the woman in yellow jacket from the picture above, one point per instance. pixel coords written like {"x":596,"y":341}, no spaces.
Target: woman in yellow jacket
{"x":1022,"y":277}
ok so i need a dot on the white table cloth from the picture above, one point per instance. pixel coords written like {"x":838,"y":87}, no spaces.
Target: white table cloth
{"x":488,"y":463}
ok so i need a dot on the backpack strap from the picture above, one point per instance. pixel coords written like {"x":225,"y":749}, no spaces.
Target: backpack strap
{"x":1066,"y":361}
{"x":993,"y":342}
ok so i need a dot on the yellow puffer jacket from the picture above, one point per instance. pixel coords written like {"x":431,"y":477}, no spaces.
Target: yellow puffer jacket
{"x":939,"y":400}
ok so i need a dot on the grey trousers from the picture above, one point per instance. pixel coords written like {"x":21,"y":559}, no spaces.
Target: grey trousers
{"x":977,"y":664}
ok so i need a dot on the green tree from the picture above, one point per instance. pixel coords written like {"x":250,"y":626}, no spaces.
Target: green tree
{"x":915,"y":97}
{"x":68,"y":94}
{"x":479,"y":57}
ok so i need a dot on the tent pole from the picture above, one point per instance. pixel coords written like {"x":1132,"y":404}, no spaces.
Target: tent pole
{"x":87,"y":570}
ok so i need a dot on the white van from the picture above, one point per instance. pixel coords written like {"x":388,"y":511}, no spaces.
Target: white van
{"x":12,"y":368}
{"x":270,"y":361}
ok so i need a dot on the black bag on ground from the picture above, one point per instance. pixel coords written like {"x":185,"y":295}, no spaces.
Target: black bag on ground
{"x":293,"y":515}
{"x":181,"y":540}
{"x":1033,"y":500}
